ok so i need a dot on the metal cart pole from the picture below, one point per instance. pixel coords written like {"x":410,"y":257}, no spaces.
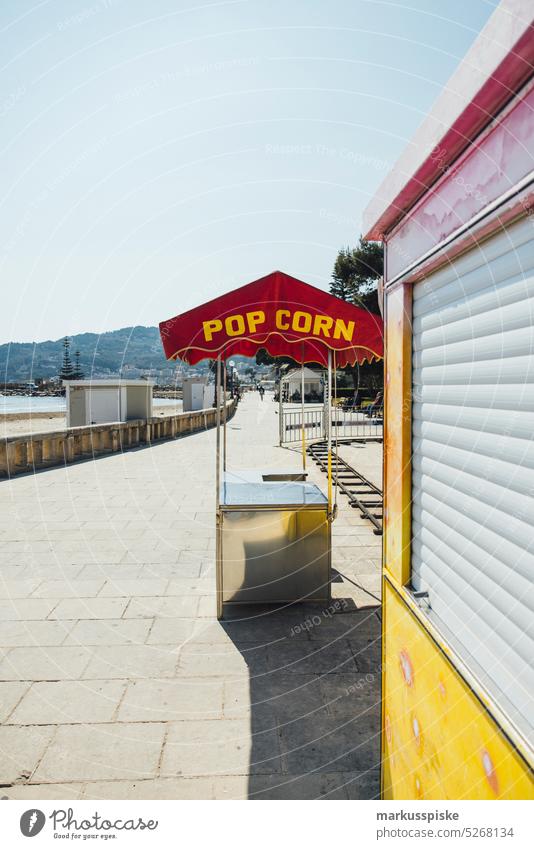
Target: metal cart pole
{"x":329,"y":432}
{"x":302,"y":406}
{"x":280,"y":412}
{"x":224,"y":415}
{"x":218,"y":489}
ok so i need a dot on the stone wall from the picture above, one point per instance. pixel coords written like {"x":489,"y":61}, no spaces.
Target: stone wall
{"x":33,"y":451}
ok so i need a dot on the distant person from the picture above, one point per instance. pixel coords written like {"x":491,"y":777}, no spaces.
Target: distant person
{"x":261,"y":390}
{"x":377,"y":405}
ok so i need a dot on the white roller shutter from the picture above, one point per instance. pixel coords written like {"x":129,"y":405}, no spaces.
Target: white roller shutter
{"x":473,"y":461}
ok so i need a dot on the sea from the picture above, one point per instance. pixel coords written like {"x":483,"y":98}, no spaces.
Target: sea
{"x":53,"y":404}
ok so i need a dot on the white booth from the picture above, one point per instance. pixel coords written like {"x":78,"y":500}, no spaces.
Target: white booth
{"x":292,"y":383}
{"x":198,"y":394}
{"x":101,"y":401}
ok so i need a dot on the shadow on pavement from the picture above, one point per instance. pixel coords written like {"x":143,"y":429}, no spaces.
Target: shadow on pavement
{"x":313,"y":699}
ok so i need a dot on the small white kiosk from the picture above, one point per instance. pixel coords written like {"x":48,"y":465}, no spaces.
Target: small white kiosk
{"x":197,"y":394}
{"x":101,"y":401}
{"x":293,"y":381}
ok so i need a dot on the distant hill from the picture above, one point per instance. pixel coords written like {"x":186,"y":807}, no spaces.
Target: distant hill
{"x":127,"y":351}
{"x":130,"y":352}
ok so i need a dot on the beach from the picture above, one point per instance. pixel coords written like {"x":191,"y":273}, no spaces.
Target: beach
{"x":17,"y":424}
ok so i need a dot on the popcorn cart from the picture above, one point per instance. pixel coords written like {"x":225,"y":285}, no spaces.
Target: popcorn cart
{"x":273,"y":528}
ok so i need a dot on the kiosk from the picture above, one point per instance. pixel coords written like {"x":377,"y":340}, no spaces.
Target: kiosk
{"x":456,"y":218}
{"x":273,"y":528}
{"x":101,"y":401}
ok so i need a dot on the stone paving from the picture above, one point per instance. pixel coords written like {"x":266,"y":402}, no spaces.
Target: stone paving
{"x":116,"y":679}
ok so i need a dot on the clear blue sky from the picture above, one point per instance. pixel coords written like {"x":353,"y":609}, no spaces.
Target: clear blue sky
{"x":155,"y":154}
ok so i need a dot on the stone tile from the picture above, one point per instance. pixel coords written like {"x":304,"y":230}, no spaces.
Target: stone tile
{"x":171,"y":631}
{"x":353,"y":697}
{"x":23,"y":609}
{"x":106,"y":572}
{"x":365,"y":785}
{"x":68,"y":589}
{"x":136,"y":587}
{"x":102,"y":752}
{"x":18,"y":588}
{"x":43,"y":791}
{"x":183,"y":586}
{"x":89,"y":608}
{"x":22,"y":749}
{"x":298,"y":787}
{"x":158,"y":788}
{"x":47,"y":663}
{"x":162,"y":606}
{"x":219,"y":748}
{"x":11,"y":693}
{"x":61,"y":702}
{"x":163,"y":700}
{"x":261,"y":632}
{"x":140,"y":661}
{"x":367,"y":656}
{"x":154,"y":545}
{"x":350,"y":625}
{"x":275,"y":698}
{"x":334,"y":658}
{"x":202,"y":660}
{"x":94,"y":632}
{"x":207,"y":606}
{"x":328,"y":744}
{"x":36,"y":633}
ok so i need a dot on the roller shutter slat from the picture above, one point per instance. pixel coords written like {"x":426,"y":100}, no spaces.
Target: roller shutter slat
{"x":519,"y":461}
{"x":473,"y":460}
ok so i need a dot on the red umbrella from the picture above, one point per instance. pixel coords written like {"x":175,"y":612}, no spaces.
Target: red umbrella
{"x":281,"y":314}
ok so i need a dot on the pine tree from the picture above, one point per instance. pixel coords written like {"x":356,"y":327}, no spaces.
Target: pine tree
{"x":67,"y":369}
{"x":78,"y":371}
{"x":356,"y":273}
{"x":342,"y":275}
{"x":355,"y":279}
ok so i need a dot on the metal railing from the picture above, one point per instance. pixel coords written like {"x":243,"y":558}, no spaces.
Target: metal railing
{"x":291,"y":423}
{"x":346,"y":424}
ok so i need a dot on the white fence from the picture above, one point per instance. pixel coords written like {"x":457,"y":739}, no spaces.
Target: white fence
{"x":346,"y":424}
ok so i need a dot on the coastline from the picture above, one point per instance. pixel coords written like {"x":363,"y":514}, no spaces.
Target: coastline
{"x":18,"y":424}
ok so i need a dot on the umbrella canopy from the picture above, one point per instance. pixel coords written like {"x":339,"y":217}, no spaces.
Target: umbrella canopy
{"x":281,"y":314}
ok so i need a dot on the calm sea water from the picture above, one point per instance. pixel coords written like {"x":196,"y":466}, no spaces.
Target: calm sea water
{"x":49,"y":404}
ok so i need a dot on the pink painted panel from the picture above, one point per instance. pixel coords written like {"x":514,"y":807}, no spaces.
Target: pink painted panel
{"x":398,"y":194}
{"x":489,"y":169}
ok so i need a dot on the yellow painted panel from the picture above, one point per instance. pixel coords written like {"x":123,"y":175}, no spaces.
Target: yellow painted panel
{"x":438,"y":740}
{"x":397,"y":432}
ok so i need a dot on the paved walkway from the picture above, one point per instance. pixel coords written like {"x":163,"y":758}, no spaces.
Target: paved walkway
{"x":117,"y":681}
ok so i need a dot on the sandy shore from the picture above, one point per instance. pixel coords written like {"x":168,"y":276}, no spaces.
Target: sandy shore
{"x":17,"y":424}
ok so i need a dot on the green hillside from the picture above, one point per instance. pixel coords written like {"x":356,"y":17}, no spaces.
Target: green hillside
{"x":130,"y":352}
{"x":125,"y":351}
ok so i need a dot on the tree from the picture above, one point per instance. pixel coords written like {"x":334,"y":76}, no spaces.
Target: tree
{"x":356,"y":272}
{"x":78,"y":371}
{"x":67,"y":369}
{"x":355,"y":280}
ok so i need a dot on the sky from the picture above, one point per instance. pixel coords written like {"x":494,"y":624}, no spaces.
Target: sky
{"x":156,"y":154}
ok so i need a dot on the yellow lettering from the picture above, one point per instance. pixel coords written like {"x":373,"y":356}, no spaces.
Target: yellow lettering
{"x":302,"y":322}
{"x":344,"y":329}
{"x":211,"y":327}
{"x":234,"y":325}
{"x":280,"y":314}
{"x":255,"y":318}
{"x":322,"y":324}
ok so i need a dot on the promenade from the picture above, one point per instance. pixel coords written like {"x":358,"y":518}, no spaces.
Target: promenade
{"x":116,"y":679}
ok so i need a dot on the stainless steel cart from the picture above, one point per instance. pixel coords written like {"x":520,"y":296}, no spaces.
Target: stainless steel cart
{"x":273,"y":540}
